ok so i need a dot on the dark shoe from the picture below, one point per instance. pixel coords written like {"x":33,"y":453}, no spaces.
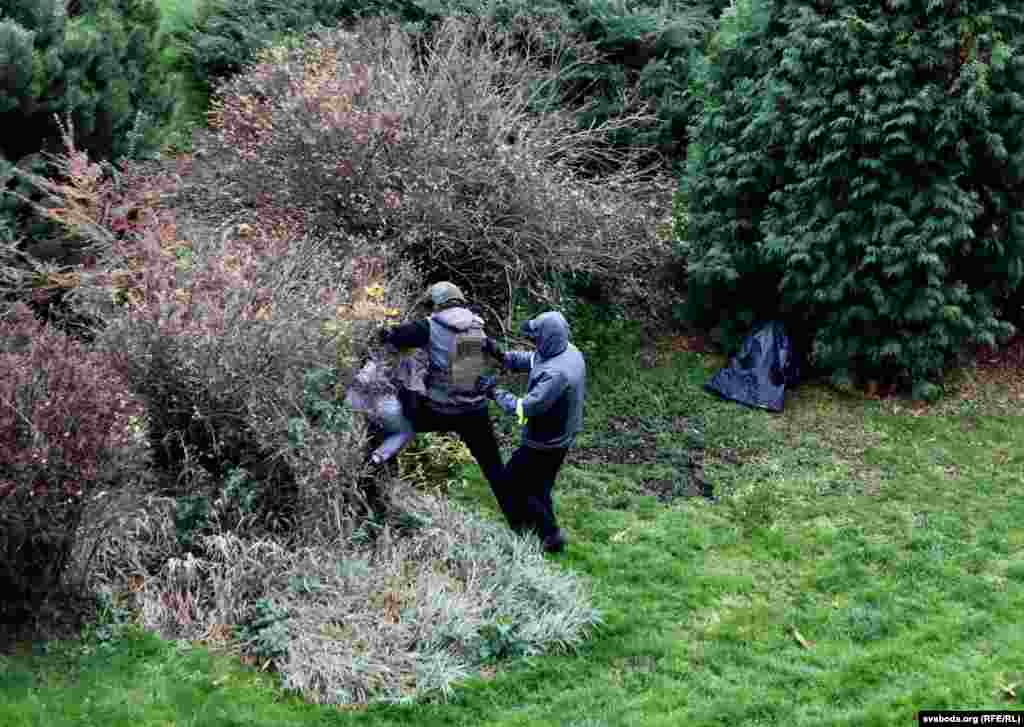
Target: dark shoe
{"x":555,"y":543}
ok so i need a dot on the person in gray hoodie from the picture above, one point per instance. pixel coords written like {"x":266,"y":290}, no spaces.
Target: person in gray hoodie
{"x":551,"y":415}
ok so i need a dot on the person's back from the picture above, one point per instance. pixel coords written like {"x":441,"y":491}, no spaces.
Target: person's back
{"x":453,"y":337}
{"x":456,"y":361}
{"x":374,"y":394}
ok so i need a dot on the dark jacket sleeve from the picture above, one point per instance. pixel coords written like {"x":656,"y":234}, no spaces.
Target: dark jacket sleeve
{"x":410,"y":335}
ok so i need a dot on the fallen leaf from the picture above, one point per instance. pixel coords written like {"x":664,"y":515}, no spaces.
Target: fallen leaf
{"x":621,"y":535}
{"x":801,"y":640}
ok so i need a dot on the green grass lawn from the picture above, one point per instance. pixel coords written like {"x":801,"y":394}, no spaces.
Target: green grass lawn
{"x":860,"y":566}
{"x":176,"y":14}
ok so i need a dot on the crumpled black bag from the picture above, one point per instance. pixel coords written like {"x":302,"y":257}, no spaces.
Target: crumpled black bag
{"x":758,"y":375}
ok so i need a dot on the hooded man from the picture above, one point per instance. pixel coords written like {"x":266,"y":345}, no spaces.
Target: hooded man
{"x":453,"y":338}
{"x":551,"y":415}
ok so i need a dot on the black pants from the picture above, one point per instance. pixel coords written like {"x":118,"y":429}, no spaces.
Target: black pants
{"x":528,"y":481}
{"x":477,"y":431}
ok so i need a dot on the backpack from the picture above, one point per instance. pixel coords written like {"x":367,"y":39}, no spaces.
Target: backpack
{"x":466,"y":360}
{"x":465,"y":357}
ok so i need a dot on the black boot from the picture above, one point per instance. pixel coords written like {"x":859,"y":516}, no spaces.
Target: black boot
{"x":556,"y":542}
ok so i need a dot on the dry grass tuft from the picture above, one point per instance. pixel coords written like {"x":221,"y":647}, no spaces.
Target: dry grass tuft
{"x":390,"y":616}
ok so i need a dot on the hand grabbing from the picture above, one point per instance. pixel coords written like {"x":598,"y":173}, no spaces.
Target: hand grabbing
{"x":492,"y":349}
{"x":485,"y":385}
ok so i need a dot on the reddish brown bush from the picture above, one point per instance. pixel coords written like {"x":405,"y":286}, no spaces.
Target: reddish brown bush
{"x":65,"y":431}
{"x":307,"y":135}
{"x":236,"y":338}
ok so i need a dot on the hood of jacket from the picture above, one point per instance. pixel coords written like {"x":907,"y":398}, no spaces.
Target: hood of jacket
{"x":550,"y":332}
{"x":458,"y":318}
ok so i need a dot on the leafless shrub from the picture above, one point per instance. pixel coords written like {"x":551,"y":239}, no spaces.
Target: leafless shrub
{"x":446,"y":151}
{"x":236,"y":339}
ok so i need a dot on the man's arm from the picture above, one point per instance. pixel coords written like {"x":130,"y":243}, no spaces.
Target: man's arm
{"x":518,"y":360}
{"x":542,"y":395}
{"x":545,"y":391}
{"x":407,"y":335}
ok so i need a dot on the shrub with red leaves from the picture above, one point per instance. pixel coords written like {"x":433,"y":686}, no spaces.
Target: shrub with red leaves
{"x":307,"y":135}
{"x":65,"y":419}
{"x":235,"y":337}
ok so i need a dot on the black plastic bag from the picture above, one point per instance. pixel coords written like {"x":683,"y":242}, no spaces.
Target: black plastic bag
{"x":758,"y":376}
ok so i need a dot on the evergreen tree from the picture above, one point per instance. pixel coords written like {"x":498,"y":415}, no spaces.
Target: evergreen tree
{"x":857,"y":171}
{"x":93,"y":59}
{"x":645,"y":50}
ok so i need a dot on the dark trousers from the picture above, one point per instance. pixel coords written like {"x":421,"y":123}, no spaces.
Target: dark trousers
{"x":528,"y":481}
{"x":477,"y":431}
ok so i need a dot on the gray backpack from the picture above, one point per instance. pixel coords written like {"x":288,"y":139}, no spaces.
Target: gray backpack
{"x":466,"y":359}
{"x":457,"y":359}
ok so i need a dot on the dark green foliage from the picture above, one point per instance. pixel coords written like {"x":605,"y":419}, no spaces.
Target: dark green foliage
{"x":600,"y":324}
{"x":644,"y":53}
{"x":857,"y":171}
{"x":265,"y":634}
{"x":95,"y":60}
{"x":191,"y":518}
{"x":227,"y":34}
{"x":499,"y":640}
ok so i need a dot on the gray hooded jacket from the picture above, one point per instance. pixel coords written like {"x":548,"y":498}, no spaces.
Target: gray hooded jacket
{"x":557,"y":386}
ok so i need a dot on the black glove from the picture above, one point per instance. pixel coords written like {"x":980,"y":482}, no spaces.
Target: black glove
{"x":384,"y":334}
{"x":485,"y":385}
{"x":491,"y":349}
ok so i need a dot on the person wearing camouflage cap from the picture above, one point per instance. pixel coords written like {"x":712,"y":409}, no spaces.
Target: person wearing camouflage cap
{"x":453,"y":337}
{"x":443,"y":294}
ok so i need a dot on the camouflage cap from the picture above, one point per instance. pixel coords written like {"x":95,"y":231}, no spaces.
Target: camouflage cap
{"x":444,"y":292}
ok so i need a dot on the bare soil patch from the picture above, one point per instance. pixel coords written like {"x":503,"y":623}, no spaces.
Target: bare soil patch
{"x":642,"y":440}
